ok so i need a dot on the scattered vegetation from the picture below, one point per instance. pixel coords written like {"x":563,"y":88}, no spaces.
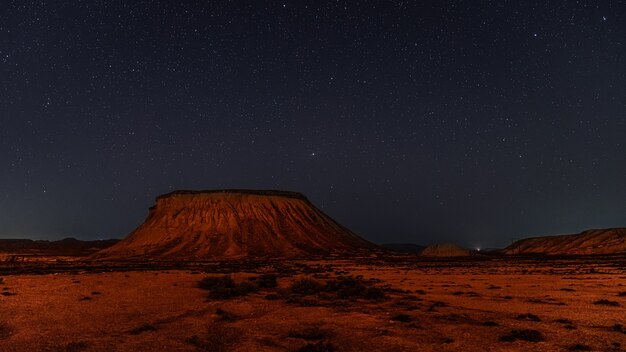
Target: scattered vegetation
{"x":223,"y":287}
{"x":579,"y":347}
{"x":76,"y":346}
{"x":619,"y":328}
{"x":143,"y":328}
{"x":404,"y":318}
{"x":343,"y":287}
{"x":213,"y":282}
{"x":218,"y":338}
{"x":490,"y":323}
{"x":267,"y":281}
{"x":606,"y":302}
{"x":226,"y":316}
{"x":310,"y":333}
{"x":5,"y":330}
{"x":306,"y":286}
{"x":524,"y":335}
{"x":318,"y":347}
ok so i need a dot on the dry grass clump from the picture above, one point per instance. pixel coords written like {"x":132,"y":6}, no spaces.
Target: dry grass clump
{"x":306,"y":286}
{"x":218,"y":338}
{"x":343,"y":287}
{"x":309,"y":333}
{"x":529,"y":317}
{"x":267,"y":281}
{"x":225,"y":315}
{"x":529,"y":335}
{"x":143,"y":328}
{"x":224,"y":287}
{"x":5,"y":331}
{"x":606,"y":302}
{"x":490,"y":323}
{"x":403,"y":318}
{"x":318,"y":347}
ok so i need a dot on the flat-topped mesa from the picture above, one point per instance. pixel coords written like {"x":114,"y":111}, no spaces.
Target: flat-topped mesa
{"x":229,"y":224}
{"x":602,"y":241}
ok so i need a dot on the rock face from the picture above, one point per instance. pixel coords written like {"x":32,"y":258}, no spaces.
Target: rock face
{"x":227,"y":224}
{"x":607,"y":241}
{"x":445,"y":250}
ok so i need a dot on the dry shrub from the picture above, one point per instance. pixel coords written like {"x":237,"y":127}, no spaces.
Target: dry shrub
{"x":309,"y":333}
{"x":318,"y":347}
{"x":306,"y":286}
{"x":218,"y":338}
{"x":528,"y":316}
{"x":606,"y":302}
{"x":403,"y":318}
{"x":223,"y":287}
{"x":529,"y":335}
{"x":225,"y":315}
{"x":143,"y":328}
{"x":5,"y":331}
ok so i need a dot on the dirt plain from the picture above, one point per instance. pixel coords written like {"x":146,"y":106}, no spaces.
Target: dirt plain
{"x":385,"y":303}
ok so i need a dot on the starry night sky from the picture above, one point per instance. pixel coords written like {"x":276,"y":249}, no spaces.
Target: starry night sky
{"x":466,"y":121}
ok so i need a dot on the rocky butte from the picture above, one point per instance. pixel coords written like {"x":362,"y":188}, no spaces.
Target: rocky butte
{"x":230,"y":224}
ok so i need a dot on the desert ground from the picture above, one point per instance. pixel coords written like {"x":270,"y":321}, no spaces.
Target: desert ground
{"x":401,"y":303}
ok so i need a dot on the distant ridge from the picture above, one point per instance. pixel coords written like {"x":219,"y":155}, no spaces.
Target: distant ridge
{"x":234,"y":223}
{"x":445,"y":250}
{"x":600,"y":241}
{"x":65,"y":247}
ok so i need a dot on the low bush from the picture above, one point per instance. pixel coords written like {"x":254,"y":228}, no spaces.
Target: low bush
{"x":309,"y":333}
{"x":403,"y":318}
{"x":606,"y":302}
{"x":267,"y":281}
{"x":523,"y":334}
{"x":528,"y":316}
{"x":306,"y":286}
{"x":318,"y":347}
{"x":143,"y":328}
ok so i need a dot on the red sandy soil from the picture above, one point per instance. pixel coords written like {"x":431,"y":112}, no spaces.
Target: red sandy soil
{"x":210,"y":225}
{"x":447,"y":306}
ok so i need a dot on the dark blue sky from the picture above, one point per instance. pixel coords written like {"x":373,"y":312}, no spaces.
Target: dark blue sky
{"x":422,"y":122}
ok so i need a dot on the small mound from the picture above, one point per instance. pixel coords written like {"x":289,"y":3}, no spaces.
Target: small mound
{"x":445,"y":250}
